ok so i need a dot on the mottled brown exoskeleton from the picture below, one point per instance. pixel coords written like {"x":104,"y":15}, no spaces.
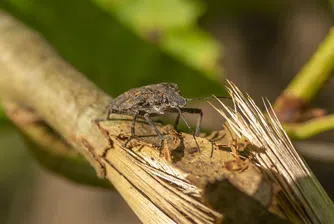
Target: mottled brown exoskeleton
{"x":154,"y":100}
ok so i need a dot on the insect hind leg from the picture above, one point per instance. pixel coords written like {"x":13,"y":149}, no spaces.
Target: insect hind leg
{"x":177,"y":119}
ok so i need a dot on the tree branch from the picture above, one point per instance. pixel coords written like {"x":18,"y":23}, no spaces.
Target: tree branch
{"x":169,"y":189}
{"x":50,"y":149}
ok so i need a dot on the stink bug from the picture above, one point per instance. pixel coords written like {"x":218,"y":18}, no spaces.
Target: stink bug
{"x":154,"y":100}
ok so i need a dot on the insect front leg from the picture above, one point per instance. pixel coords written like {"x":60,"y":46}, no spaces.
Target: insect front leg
{"x":133,"y":134}
{"x":107,"y":117}
{"x":109,"y":111}
{"x":149,"y":121}
{"x":185,"y":121}
{"x":199,"y":120}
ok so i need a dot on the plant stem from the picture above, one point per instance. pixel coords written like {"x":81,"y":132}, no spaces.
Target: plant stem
{"x":310,"y":128}
{"x":315,"y":73}
{"x":292,"y":105}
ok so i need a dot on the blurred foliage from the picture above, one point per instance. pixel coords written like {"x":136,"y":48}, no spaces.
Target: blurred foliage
{"x":119,"y":47}
{"x":12,"y":154}
{"x":70,"y":165}
{"x":15,"y":169}
{"x":238,"y":8}
{"x":2,"y":114}
{"x":171,"y":24}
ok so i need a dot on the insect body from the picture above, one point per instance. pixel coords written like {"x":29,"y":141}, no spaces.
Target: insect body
{"x":153,"y":100}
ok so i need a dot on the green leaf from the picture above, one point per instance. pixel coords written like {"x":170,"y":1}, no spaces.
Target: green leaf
{"x":115,"y":56}
{"x":196,"y":48}
{"x":145,"y":15}
{"x":171,"y":24}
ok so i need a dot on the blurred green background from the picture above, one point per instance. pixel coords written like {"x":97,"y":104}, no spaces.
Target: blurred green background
{"x":260,"y":45}
{"x":124,"y":44}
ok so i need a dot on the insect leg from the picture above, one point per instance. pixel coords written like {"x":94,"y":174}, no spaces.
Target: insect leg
{"x":132,"y":129}
{"x":149,"y":121}
{"x":191,"y":131}
{"x":213,"y":142}
{"x":199,"y":121}
{"x":177,"y":121}
{"x":109,"y":111}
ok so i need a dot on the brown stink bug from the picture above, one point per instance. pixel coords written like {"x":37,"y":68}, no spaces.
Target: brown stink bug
{"x":154,"y":100}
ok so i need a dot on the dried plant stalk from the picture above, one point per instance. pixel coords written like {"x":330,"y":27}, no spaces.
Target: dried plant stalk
{"x":301,"y":198}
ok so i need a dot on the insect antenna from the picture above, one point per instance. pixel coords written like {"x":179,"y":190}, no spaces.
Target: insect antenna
{"x":208,"y":97}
